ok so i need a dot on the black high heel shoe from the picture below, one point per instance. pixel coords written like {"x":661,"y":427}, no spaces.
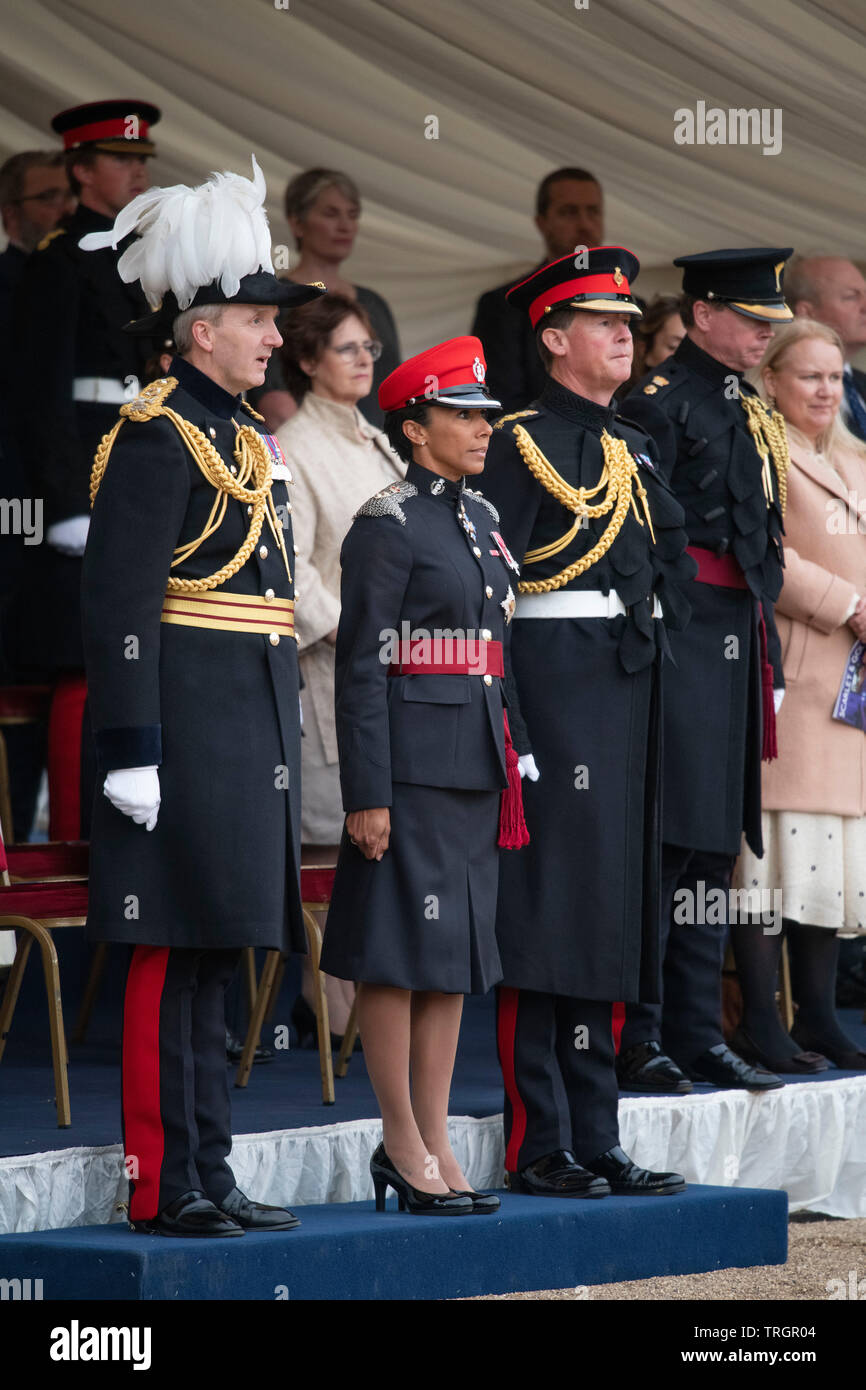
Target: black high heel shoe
{"x":304,"y":1022}
{"x":483,"y":1203}
{"x":385,"y":1175}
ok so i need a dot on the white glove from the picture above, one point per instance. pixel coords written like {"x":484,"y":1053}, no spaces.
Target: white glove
{"x":778,"y":697}
{"x":135,"y":792}
{"x":526,"y":767}
{"x":70,"y":536}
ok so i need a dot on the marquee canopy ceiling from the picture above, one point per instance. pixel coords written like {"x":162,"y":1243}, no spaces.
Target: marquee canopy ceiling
{"x":518,"y":87}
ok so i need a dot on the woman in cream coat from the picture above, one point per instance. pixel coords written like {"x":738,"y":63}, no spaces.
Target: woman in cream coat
{"x":814,"y":794}
{"x":337,"y":460}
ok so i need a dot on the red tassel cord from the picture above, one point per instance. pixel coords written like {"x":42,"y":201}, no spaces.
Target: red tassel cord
{"x":513,"y":833}
{"x":769,"y":749}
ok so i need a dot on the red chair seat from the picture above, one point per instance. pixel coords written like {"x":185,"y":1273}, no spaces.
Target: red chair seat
{"x":43,"y":900}
{"x":317,"y":884}
{"x":58,"y":859}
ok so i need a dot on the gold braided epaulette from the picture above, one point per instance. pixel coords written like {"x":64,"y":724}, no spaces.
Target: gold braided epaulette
{"x":151,"y":401}
{"x":249,"y":483}
{"x":515,"y":415}
{"x":255,"y":414}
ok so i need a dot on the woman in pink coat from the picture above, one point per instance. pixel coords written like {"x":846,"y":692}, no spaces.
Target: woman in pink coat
{"x":814,"y":794}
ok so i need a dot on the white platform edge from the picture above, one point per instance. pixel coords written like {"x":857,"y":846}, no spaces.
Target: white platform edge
{"x":809,"y":1139}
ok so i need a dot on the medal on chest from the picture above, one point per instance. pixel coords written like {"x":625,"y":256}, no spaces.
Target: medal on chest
{"x":279,"y":467}
{"x":504,"y":552}
{"x":467,"y":524}
{"x":508,"y":605}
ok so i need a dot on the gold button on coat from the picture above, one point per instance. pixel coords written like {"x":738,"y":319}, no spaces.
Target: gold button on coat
{"x":269,"y":595}
{"x":488,"y":591}
{"x":212,"y":432}
{"x":488,"y":680}
{"x":263,"y":552}
{"x":476,"y":552}
{"x":486,"y":634}
{"x":274,"y":639}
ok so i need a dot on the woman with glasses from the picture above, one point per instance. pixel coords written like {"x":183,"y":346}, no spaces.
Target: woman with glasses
{"x":323,"y":210}
{"x":337,"y":459}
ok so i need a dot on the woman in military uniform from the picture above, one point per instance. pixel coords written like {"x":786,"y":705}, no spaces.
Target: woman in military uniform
{"x":426,"y":594}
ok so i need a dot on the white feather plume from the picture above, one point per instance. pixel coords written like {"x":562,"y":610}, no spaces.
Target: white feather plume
{"x":190,"y":237}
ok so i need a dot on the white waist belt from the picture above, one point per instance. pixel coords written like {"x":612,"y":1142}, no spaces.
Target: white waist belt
{"x":575,"y":603}
{"x":103,"y":390}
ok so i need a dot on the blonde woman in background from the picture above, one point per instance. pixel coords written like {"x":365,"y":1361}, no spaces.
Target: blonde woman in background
{"x":337,"y":460}
{"x":814,"y":794}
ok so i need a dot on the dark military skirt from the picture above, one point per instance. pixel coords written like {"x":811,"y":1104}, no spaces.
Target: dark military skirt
{"x":423,"y":917}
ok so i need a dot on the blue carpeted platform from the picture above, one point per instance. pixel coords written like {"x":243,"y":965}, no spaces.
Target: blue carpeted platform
{"x":349,"y":1251}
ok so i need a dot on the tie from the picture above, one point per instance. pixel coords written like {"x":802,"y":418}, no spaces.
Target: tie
{"x":856,"y":408}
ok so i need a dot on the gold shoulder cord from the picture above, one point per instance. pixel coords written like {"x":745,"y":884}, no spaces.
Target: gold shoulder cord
{"x":253,"y":459}
{"x":771,"y":441}
{"x":619,"y":476}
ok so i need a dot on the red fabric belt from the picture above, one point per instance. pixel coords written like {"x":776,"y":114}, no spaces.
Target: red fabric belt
{"x":471,"y":658}
{"x":723,"y":570}
{"x":726,"y":573}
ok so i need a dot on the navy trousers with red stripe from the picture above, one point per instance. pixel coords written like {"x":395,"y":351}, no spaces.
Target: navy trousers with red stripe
{"x":177,"y":1129}
{"x":557,"y":1059}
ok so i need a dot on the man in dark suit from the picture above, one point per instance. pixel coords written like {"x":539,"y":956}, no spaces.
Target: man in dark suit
{"x":192,"y":669}
{"x":74,"y":365}
{"x":725,"y":457}
{"x":833,"y":291}
{"x":569,"y":213}
{"x":34,"y":195}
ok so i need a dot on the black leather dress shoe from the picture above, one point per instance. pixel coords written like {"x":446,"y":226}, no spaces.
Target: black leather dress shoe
{"x":255,"y":1216}
{"x":627,"y":1180}
{"x":235,"y":1050}
{"x":724,"y":1068}
{"x":644,"y":1067}
{"x":190,"y":1215}
{"x":557,"y":1175}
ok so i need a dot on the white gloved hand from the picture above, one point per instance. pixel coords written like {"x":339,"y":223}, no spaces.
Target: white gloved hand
{"x":778,"y":697}
{"x":526,"y":767}
{"x":69,"y":536}
{"x":134,"y":791}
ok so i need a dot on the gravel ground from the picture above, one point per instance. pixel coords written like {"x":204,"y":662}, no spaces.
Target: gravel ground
{"x":819,"y":1250}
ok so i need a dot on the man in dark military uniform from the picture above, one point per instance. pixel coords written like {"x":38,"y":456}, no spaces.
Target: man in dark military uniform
{"x":598,"y":537}
{"x":725,"y":457}
{"x":192,"y":671}
{"x":75,"y":365}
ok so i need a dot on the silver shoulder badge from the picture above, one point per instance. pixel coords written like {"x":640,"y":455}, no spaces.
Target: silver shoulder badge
{"x":387,"y":502}
{"x":479,"y":497}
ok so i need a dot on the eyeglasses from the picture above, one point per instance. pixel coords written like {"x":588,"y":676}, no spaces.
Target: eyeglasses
{"x":50,"y":197}
{"x":350,"y":352}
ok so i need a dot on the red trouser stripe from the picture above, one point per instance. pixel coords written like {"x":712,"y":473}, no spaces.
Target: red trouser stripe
{"x":144,"y":1139}
{"x":506,"y":1029}
{"x":618,"y":1020}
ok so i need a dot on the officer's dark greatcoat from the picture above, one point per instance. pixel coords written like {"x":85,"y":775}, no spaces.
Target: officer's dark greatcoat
{"x":70,"y":309}
{"x":429,"y":746}
{"x":216,"y":710}
{"x":713,"y":715}
{"x":579,"y":908}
